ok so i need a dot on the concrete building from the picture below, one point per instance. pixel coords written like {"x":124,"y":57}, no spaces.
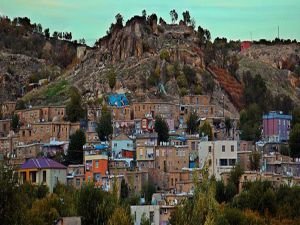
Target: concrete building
{"x":152,"y":212}
{"x":145,"y":147}
{"x":120,"y":143}
{"x":76,"y":175}
{"x":276,"y":127}
{"x":219,"y":156}
{"x":43,"y":171}
{"x":96,"y":166}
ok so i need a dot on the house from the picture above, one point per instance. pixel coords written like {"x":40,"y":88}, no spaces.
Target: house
{"x":152,"y":212}
{"x":28,"y":151}
{"x":7,"y":108}
{"x":55,"y":147}
{"x":8,"y":145}
{"x":75,"y":175}
{"x":219,"y":156}
{"x":145,"y":147}
{"x":276,"y":126}
{"x":43,"y":171}
{"x":122,"y":143}
{"x":245,"y":45}
{"x":41,"y":114}
{"x":4,"y":127}
{"x":141,"y":110}
{"x":96,"y":166}
{"x":44,"y":131}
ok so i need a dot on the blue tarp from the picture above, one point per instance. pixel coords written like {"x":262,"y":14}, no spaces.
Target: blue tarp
{"x":118,"y":100}
{"x":101,"y":147}
{"x":183,"y":139}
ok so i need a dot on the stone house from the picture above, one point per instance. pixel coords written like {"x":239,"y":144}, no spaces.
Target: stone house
{"x":120,"y":143}
{"x":43,"y":132}
{"x":5,"y":127}
{"x":76,"y":175}
{"x":141,"y":110}
{"x":7,"y":108}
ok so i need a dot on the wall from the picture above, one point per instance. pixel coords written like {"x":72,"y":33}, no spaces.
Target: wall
{"x":137,"y":212}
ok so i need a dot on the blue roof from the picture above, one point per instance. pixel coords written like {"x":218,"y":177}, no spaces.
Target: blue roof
{"x":276,"y":115}
{"x":101,"y":147}
{"x":118,"y":100}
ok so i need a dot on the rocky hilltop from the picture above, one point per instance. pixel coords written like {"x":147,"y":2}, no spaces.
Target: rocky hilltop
{"x":151,"y":60}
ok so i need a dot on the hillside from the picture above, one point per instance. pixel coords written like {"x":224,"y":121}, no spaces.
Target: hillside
{"x":152,"y":60}
{"x":28,"y":54}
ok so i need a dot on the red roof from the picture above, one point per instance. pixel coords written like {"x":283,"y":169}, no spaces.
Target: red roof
{"x":42,"y":163}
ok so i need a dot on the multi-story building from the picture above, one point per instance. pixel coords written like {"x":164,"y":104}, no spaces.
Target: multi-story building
{"x":43,"y":171}
{"x":96,"y":166}
{"x":166,"y":110}
{"x":219,"y":156}
{"x":41,"y":114}
{"x":145,"y":150}
{"x":276,"y":127}
{"x":44,"y":131}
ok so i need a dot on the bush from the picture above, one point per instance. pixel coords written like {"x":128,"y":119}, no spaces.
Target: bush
{"x":165,"y":55}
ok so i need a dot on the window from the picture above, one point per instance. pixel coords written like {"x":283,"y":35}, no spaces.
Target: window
{"x":115,"y":144}
{"x":193,"y":145}
{"x":33,"y":177}
{"x":223,"y":148}
{"x":223,"y":162}
{"x":96,"y":163}
{"x":232,"y":162}
{"x":232,"y":148}
{"x":209,"y":148}
{"x":44,"y":176}
{"x":77,"y":182}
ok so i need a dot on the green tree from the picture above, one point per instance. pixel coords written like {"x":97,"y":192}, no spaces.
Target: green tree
{"x":75,"y":150}
{"x":104,"y":126}
{"x":20,"y":104}
{"x":11,"y":202}
{"x":47,"y":33}
{"x":119,"y":20}
{"x":294,"y":141}
{"x":235,"y":175}
{"x":15,"y":123}
{"x":254,"y":159}
{"x":145,"y":220}
{"x":174,"y":15}
{"x":296,"y":116}
{"x":124,"y":189}
{"x":186,"y":17}
{"x":192,"y":123}
{"x":112,"y":78}
{"x":228,"y":125}
{"x":144,"y":13}
{"x":206,"y":129}
{"x":162,"y":129}
{"x":148,"y":189}
{"x":190,"y":74}
{"x":121,"y":216}
{"x":74,"y":109}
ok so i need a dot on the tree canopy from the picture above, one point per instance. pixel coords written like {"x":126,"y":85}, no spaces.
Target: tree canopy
{"x":74,"y":109}
{"x":192,"y":123}
{"x":75,"y":150}
{"x":206,"y":130}
{"x":104,"y":126}
{"x":162,"y":129}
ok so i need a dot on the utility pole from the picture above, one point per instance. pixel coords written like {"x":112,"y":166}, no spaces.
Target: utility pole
{"x":278,"y":32}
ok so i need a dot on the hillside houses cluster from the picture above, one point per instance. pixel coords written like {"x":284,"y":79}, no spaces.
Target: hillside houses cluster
{"x":134,"y":154}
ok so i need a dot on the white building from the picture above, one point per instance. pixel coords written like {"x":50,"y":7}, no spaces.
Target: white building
{"x":220,"y":156}
{"x":152,"y":212}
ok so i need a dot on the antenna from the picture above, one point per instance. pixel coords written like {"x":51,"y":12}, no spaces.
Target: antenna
{"x":278,"y":32}
{"x":251,"y":36}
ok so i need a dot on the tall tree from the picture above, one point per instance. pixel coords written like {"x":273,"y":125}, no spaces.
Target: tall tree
{"x":228,"y":125}
{"x":112,"y":78}
{"x":162,"y":129}
{"x":74,"y":109}
{"x":192,"y":123}
{"x":104,"y":126}
{"x":124,"y":189}
{"x":254,"y":159}
{"x":47,"y":33}
{"x":174,"y":15}
{"x":144,"y":13}
{"x":75,"y":150}
{"x":119,"y":20}
{"x":206,"y":130}
{"x":121,"y":216}
{"x":294,"y":141}
{"x":186,"y":17}
{"x":15,"y":123}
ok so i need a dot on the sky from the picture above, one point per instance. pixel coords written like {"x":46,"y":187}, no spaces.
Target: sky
{"x":233,"y":19}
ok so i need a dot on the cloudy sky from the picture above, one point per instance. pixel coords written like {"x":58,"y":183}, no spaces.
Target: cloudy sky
{"x":234,"y":19}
